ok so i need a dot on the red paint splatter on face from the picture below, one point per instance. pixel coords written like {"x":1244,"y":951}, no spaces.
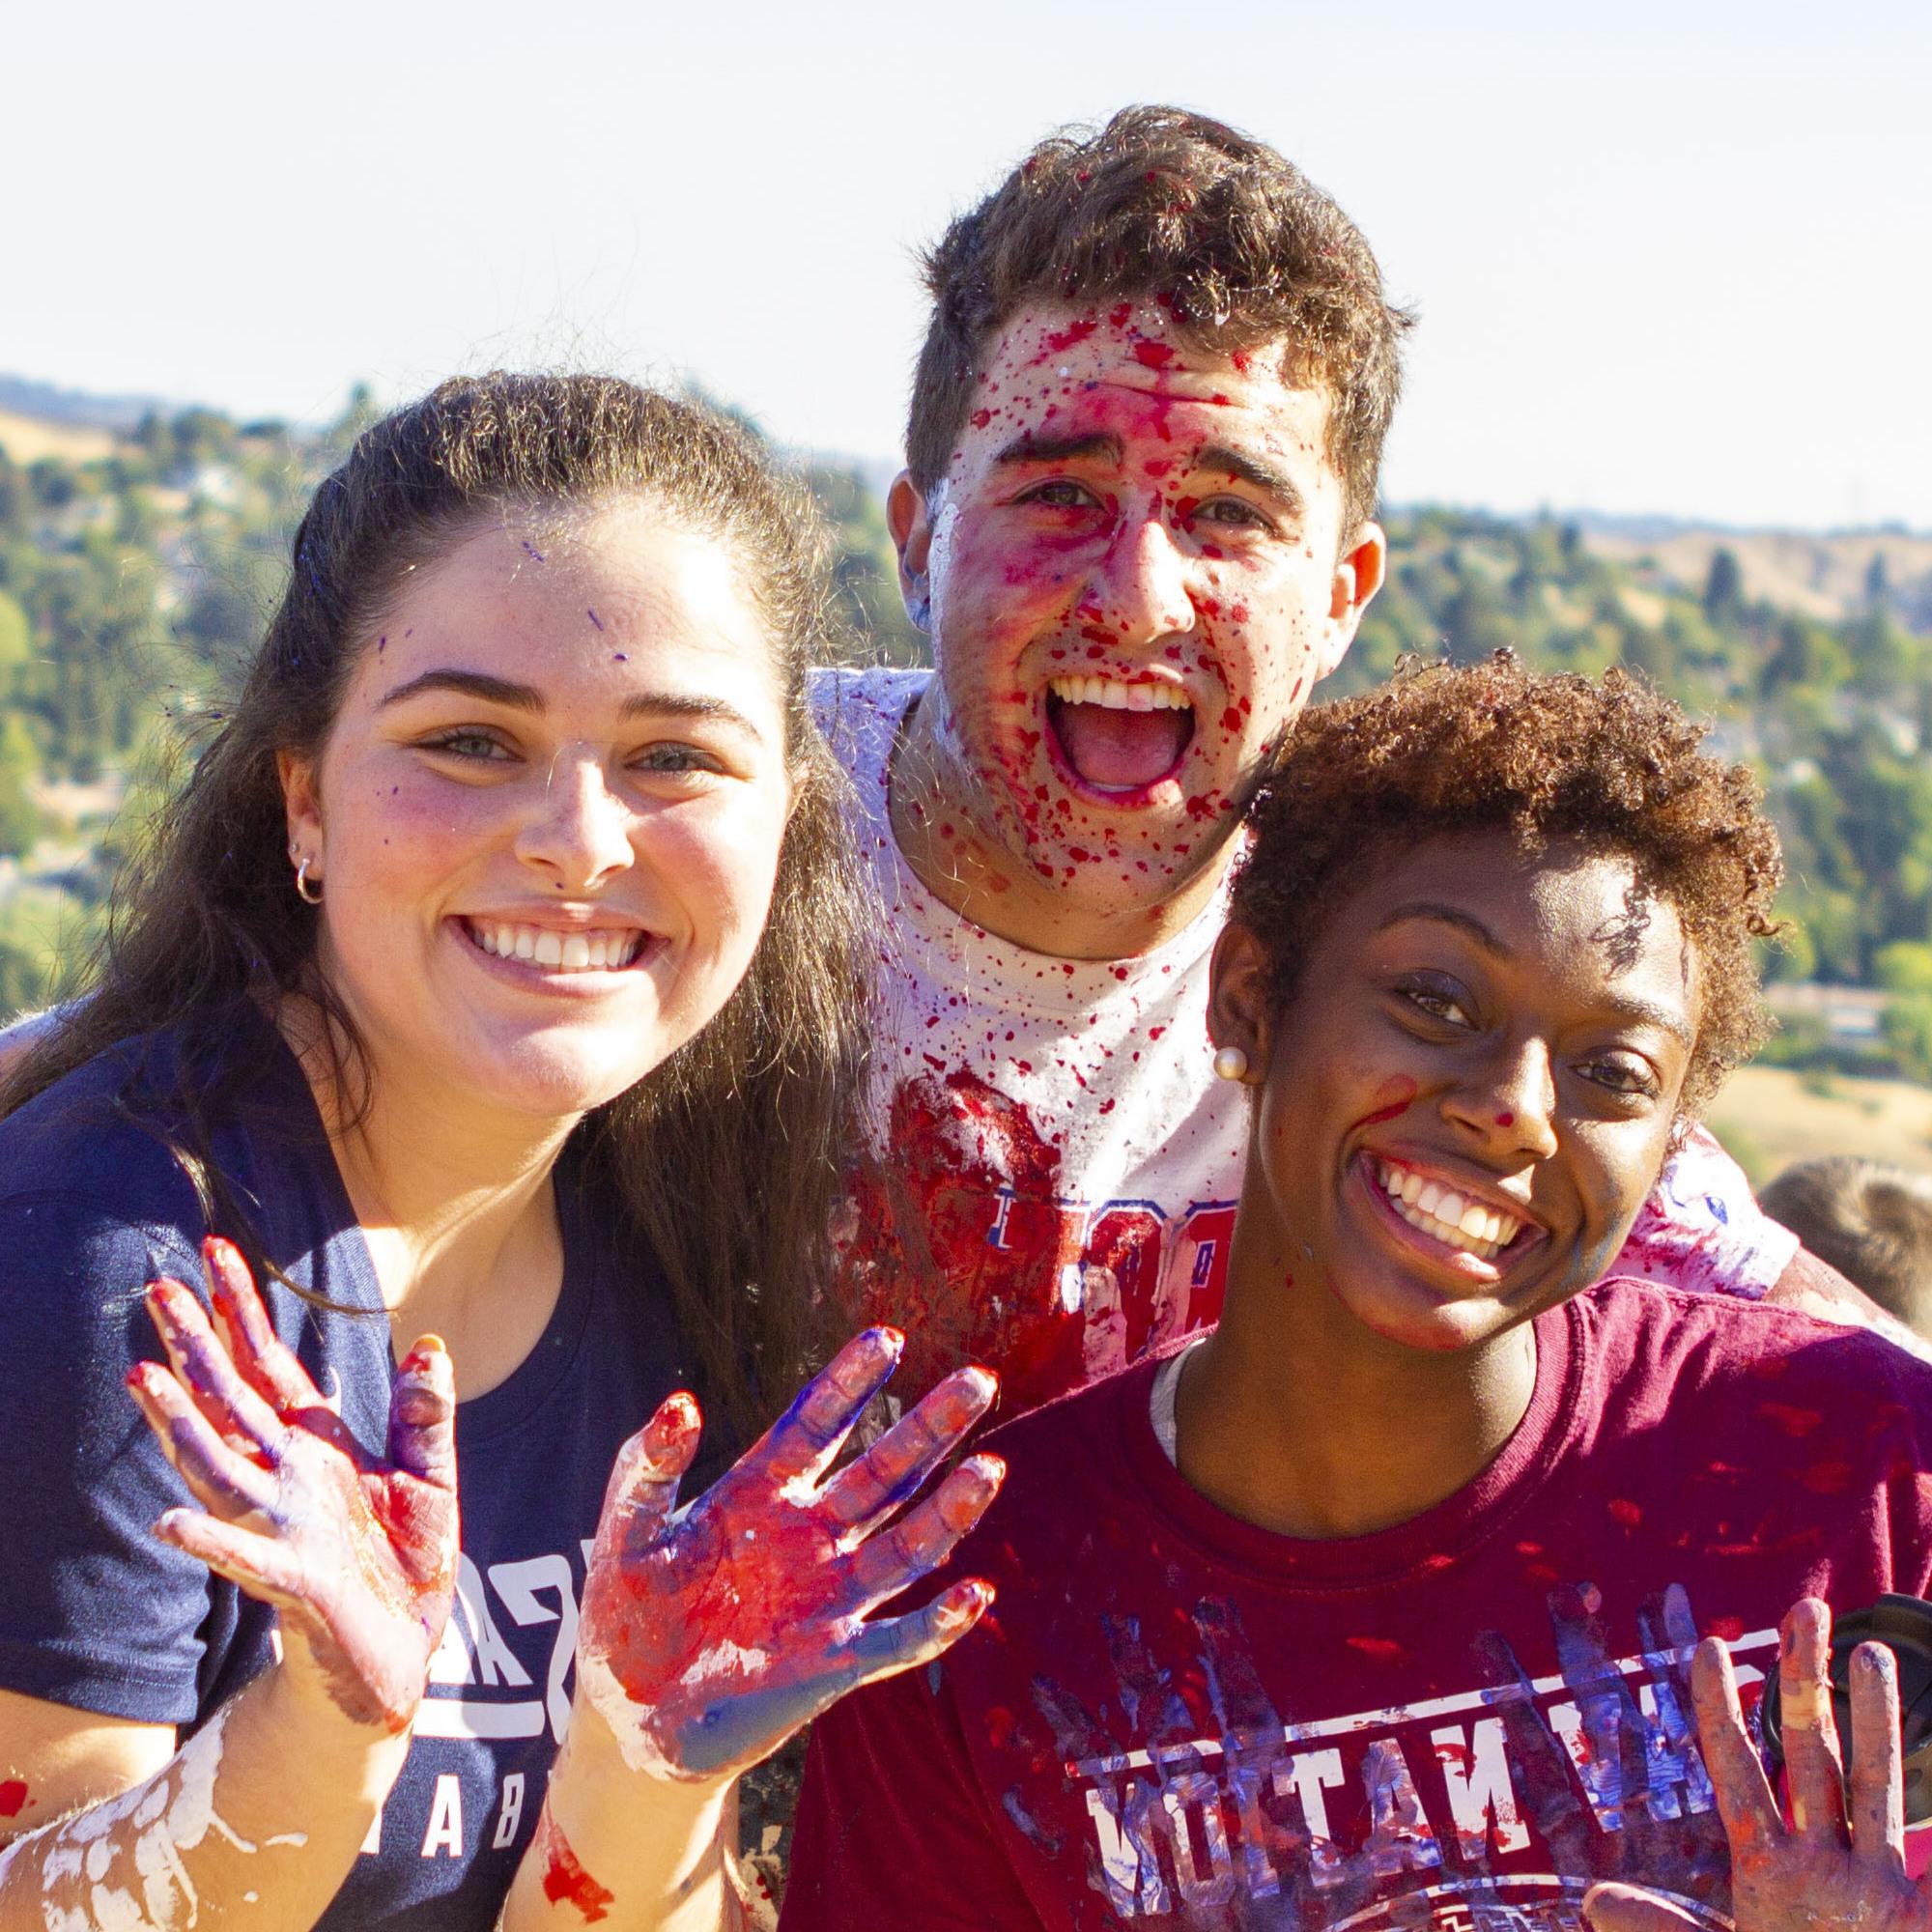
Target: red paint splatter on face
{"x":13,"y":1798}
{"x":1153,"y":354}
{"x":979,"y":418}
{"x":1117,"y":315}
{"x":1392,"y":1096}
{"x":564,"y":1880}
{"x":1064,"y":339}
{"x":1505,"y":1119}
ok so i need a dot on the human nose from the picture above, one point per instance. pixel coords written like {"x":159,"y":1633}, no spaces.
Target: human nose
{"x":1142,"y":581}
{"x":1509,"y":1100}
{"x":580,"y":832}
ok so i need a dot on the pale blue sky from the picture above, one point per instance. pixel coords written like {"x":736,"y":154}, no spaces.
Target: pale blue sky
{"x":1670,"y":258}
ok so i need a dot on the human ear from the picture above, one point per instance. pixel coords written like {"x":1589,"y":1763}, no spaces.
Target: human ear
{"x":1359,"y":573}
{"x":301,"y":803}
{"x":912,"y":538}
{"x":1239,"y":1012}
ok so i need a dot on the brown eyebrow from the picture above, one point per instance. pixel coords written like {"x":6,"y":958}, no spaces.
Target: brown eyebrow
{"x":1070,"y":449}
{"x":1246,"y":469}
{"x":515,"y":696}
{"x":1647,"y":1011}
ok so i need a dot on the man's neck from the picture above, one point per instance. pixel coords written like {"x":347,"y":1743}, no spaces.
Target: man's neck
{"x":937,"y":812}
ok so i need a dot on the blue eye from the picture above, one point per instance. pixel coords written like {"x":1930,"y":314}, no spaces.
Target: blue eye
{"x":469,"y":744}
{"x":676,"y":761}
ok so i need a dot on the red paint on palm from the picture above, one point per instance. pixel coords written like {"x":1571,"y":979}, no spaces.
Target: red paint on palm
{"x":566,"y":1881}
{"x":358,"y":1553}
{"x":707,"y":1637}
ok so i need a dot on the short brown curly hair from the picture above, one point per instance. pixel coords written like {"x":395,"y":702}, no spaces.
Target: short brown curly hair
{"x":1162,"y":203}
{"x":1605,"y":762}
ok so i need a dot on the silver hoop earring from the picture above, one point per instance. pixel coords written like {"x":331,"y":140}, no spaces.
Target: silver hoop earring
{"x":1230,"y":1062}
{"x":303,"y":892}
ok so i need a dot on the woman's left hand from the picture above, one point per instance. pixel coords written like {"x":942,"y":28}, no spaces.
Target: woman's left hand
{"x":709,"y":1636}
{"x":1825,"y":1868}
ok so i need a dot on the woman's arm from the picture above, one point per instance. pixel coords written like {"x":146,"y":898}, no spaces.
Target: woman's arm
{"x":708,"y":1638}
{"x":267,"y":1804}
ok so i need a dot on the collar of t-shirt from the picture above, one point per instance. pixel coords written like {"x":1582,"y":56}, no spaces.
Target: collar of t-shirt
{"x":1147,"y":1439}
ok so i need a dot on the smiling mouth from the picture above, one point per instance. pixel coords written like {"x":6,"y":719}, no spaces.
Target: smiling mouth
{"x":610,"y":950}
{"x":1119,"y":736}
{"x":1456,"y":1220}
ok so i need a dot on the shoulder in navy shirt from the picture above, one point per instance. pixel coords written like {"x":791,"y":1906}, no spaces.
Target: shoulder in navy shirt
{"x":95,"y":1613}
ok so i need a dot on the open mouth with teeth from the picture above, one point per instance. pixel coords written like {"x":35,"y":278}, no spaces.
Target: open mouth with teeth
{"x":1120,"y":735}
{"x":607,"y":951}
{"x":1457,"y":1220}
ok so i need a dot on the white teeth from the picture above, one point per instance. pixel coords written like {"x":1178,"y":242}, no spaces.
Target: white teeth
{"x":572,"y":953}
{"x":1444,"y":1214}
{"x":1115,"y":695}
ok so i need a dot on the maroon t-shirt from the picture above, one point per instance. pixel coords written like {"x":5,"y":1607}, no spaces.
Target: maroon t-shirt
{"x":1171,"y":1717}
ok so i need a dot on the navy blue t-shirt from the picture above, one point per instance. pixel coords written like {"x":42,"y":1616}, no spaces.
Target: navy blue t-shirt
{"x":95,"y":1613}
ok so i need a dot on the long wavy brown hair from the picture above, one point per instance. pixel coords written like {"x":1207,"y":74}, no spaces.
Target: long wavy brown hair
{"x":726,"y":1158}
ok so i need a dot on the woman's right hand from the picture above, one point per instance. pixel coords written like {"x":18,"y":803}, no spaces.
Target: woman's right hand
{"x":708,"y":1637}
{"x":358,"y":1555}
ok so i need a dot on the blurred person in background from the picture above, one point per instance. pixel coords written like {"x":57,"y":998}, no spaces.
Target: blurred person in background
{"x":1871,"y":1222}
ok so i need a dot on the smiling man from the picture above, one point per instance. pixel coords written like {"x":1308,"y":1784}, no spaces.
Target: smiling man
{"x":1136,"y":523}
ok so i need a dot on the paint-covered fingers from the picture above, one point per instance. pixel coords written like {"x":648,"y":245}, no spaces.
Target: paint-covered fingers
{"x":892,"y":1469}
{"x":261,"y":1355}
{"x":1628,"y":1908}
{"x":1745,"y":1802}
{"x":422,"y":1415}
{"x":220,"y":1479}
{"x":264,"y":1566}
{"x":1877,"y":1774}
{"x":1813,"y":1768}
{"x":642,"y":1490}
{"x":204,"y":1370}
{"x":802,"y":1442}
{"x":892,"y":1644}
{"x":925,"y":1538}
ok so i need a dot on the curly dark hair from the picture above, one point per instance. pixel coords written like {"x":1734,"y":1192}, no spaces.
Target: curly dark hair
{"x":1606,"y":763}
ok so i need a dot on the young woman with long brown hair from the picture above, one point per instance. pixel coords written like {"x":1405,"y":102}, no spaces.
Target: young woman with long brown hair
{"x":491,"y":996}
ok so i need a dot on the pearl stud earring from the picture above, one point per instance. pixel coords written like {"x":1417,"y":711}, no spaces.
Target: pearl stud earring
{"x":1230,"y":1062}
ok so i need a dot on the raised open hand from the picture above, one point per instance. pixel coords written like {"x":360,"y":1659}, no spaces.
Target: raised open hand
{"x":358,"y":1555}
{"x":708,"y":1638}
{"x":1823,"y":1868}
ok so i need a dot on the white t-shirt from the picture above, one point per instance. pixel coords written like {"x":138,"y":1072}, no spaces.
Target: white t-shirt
{"x":1053,"y":1167}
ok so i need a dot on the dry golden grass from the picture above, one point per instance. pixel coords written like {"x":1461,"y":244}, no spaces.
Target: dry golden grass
{"x":1769,"y":1117}
{"x":27,"y":438}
